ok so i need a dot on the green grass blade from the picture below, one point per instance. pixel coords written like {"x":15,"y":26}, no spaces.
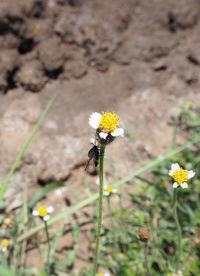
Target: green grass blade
{"x":94,"y":197}
{"x":20,"y":155}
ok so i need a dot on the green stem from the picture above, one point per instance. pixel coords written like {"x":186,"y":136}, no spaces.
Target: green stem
{"x":101,"y":160}
{"x":112,"y":223}
{"x":178,"y":228}
{"x":146,"y":259}
{"x":49,"y":248}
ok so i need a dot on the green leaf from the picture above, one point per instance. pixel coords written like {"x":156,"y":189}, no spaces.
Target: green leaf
{"x":26,"y":144}
{"x":75,"y":233}
{"x":70,"y":258}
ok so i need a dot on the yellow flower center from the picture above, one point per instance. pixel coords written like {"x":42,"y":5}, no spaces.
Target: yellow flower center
{"x":109,"y":122}
{"x":190,"y":104}
{"x":100,"y":274}
{"x":121,"y":255}
{"x":109,"y":189}
{"x":42,"y":211}
{"x":5,"y":243}
{"x":180,"y":176}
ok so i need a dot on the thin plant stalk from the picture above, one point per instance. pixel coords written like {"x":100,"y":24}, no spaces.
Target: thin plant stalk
{"x":25,"y":218}
{"x":178,"y":228}
{"x":146,"y":259}
{"x":110,"y":212}
{"x":4,"y":261}
{"x":4,"y":185}
{"x":112,"y":222}
{"x":101,"y":174}
{"x":49,"y":248}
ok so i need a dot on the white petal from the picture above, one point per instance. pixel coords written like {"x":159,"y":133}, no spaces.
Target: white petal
{"x":58,"y":192}
{"x":94,"y":120}
{"x":103,"y":135}
{"x":4,"y":249}
{"x":106,"y":193}
{"x":118,"y":132}
{"x":107,"y":274}
{"x":47,"y":217}
{"x":184,"y":185}
{"x":97,"y":181}
{"x":35,"y":213}
{"x":174,"y":167}
{"x":114,"y":191}
{"x":191,"y":174}
{"x":175,"y":185}
{"x":180,"y":273}
{"x":50,"y":209}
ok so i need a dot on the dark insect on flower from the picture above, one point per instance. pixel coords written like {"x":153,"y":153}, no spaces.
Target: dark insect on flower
{"x":93,"y":154}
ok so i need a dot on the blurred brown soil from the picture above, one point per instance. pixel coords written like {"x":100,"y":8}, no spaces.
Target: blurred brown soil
{"x":134,"y":57}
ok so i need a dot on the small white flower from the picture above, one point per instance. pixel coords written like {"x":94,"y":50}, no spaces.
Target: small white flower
{"x":179,"y":273}
{"x":109,"y":190}
{"x":43,"y":212}
{"x":107,"y":123}
{"x":58,"y":192}
{"x":5,"y":244}
{"x":180,"y":176}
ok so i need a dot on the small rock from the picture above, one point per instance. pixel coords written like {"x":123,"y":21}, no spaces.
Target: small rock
{"x":31,"y":76}
{"x":76,"y":68}
{"x":51,"y":54}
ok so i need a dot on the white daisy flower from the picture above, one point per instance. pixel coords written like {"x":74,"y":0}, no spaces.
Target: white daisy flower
{"x":109,"y":190}
{"x":4,"y":245}
{"x":107,"y":123}
{"x":180,"y":175}
{"x":179,"y":273}
{"x":43,"y":212}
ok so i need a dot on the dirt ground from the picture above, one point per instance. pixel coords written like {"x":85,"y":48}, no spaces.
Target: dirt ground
{"x":136,"y":57}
